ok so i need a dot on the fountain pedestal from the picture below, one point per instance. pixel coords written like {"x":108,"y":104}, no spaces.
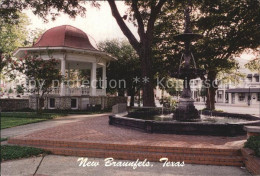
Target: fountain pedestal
{"x":186,"y":110}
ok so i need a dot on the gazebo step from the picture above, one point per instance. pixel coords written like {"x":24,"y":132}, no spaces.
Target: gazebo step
{"x":161,"y":149}
{"x":150,"y":156}
{"x":228,"y":157}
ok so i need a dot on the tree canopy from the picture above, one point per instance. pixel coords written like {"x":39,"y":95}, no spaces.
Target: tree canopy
{"x":125,"y":68}
{"x":228,"y":29}
{"x":254,"y":64}
{"x":12,"y":36}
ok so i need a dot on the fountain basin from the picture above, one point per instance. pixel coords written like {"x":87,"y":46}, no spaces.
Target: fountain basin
{"x":186,"y":128}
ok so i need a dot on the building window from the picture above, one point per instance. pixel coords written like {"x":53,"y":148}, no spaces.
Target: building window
{"x":257,"y":79}
{"x":220,"y":94}
{"x":52,"y":102}
{"x":258,"y":96}
{"x":74,"y":103}
{"x":241,"y":96}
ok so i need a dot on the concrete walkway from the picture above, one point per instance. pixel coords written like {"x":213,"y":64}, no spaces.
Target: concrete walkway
{"x":29,"y":128}
{"x":234,"y":109}
{"x":63,"y":166}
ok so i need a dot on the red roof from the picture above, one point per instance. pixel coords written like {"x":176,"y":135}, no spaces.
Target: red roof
{"x":64,"y":36}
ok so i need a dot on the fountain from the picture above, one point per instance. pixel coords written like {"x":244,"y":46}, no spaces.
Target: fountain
{"x":186,"y":110}
{"x":186,"y":119}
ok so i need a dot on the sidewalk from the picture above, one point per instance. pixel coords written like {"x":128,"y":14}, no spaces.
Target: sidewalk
{"x":63,"y":166}
{"x":29,"y":128}
{"x":233,"y":109}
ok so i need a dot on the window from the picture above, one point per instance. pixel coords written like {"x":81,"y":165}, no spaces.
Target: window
{"x":74,"y":103}
{"x":233,"y":98}
{"x":257,"y":79}
{"x":250,"y":79}
{"x":52,"y":102}
{"x":258,"y":96}
{"x":241,"y":96}
{"x":220,"y":93}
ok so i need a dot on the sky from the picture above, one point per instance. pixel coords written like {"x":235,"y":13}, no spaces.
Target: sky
{"x":99,"y":24}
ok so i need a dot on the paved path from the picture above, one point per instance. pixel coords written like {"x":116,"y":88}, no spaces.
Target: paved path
{"x":234,"y":109}
{"x":29,"y":128}
{"x":63,"y":166}
{"x":99,"y":131}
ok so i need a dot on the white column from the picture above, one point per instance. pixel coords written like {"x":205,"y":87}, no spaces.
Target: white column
{"x":104,"y":76}
{"x":63,"y":65}
{"x":93,"y":80}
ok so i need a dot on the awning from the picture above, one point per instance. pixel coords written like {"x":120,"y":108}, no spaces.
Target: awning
{"x":243,"y":90}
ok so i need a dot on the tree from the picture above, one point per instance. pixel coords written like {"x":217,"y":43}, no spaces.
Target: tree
{"x":254,"y":64}
{"x":41,"y":75}
{"x":226,"y":36}
{"x":10,"y":90}
{"x":12,"y":36}
{"x":19,"y":89}
{"x":9,"y":9}
{"x":127,"y":67}
{"x":174,"y":87}
{"x":228,"y":29}
{"x":144,"y":13}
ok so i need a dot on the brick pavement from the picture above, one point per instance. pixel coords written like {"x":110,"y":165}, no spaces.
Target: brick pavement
{"x":99,"y":131}
{"x":93,"y":137}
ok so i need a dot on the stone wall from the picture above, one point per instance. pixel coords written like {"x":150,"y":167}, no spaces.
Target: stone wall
{"x":108,"y":102}
{"x":32,"y":102}
{"x":13,"y":104}
{"x":84,"y":102}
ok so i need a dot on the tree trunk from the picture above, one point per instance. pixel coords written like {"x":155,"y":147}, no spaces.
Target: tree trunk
{"x":211,"y":91}
{"x":121,"y":92}
{"x":146,"y":64}
{"x":210,"y":102}
{"x":40,"y":105}
{"x":132,"y":95}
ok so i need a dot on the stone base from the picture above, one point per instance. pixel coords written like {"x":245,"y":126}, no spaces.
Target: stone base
{"x":186,"y":111}
{"x":13,"y":104}
{"x":83,"y":102}
{"x":119,"y":108}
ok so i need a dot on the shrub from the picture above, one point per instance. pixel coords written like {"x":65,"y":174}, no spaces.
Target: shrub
{"x":253,"y":142}
{"x":19,"y":89}
{"x":10,"y":90}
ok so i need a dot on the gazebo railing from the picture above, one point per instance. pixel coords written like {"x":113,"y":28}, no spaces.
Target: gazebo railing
{"x":55,"y":91}
{"x":101,"y":92}
{"x":76,"y":91}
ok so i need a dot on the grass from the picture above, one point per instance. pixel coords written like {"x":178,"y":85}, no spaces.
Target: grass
{"x":15,"y":152}
{"x":12,"y":119}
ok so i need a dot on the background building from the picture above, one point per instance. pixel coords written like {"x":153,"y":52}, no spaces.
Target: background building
{"x":245,"y":92}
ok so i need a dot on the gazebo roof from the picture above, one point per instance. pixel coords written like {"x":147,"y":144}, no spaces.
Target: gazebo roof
{"x":63,"y":38}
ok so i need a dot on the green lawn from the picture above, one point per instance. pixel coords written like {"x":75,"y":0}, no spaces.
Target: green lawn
{"x":16,"y":152}
{"x":12,"y":119}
